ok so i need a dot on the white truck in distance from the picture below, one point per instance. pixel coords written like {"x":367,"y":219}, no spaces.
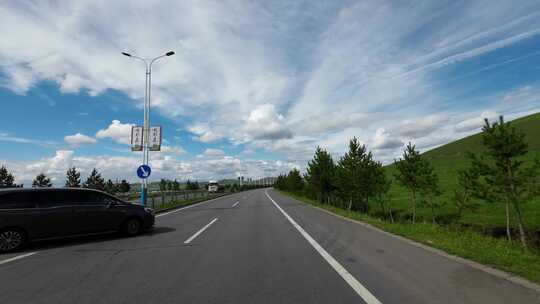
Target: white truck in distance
{"x":213,"y":186}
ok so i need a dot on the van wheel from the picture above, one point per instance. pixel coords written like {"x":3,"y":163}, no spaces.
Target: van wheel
{"x":11,"y":239}
{"x":131,"y":227}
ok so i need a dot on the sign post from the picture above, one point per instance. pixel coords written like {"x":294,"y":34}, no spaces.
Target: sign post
{"x":146,"y":112}
{"x":143,"y":172}
{"x":136,"y":138}
{"x":155,"y":138}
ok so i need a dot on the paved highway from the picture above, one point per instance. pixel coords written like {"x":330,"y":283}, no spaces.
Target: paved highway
{"x":251,"y":247}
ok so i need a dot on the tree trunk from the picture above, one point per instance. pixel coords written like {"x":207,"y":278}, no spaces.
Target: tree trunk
{"x":432,"y":211}
{"x":414,"y":207}
{"x":350,"y":203}
{"x":522,"y":235}
{"x":508,"y":234}
{"x":367,"y":204}
{"x":391,"y":216}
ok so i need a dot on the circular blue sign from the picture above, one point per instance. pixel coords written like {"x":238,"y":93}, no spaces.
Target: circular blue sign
{"x":144,"y":171}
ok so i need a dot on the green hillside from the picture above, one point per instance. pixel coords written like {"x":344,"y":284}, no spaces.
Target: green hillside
{"x":448,"y":159}
{"x":455,"y":151}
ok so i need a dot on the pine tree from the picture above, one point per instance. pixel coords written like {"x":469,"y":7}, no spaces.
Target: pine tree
{"x":413,"y":173}
{"x":432,"y":192}
{"x":110,"y":187}
{"x":162,"y":185}
{"x":356,"y":176}
{"x":41,"y":181}
{"x":176,"y":185}
{"x":320,"y":174}
{"x":281,"y":182}
{"x":503,"y":176}
{"x":463,"y":196}
{"x":6,"y":178}
{"x":381,"y":188}
{"x":95,"y":181}
{"x":294,"y":181}
{"x":73,"y":178}
{"x":124,"y":186}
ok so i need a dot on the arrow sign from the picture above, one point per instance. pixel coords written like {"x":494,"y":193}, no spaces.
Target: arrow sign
{"x":144,"y":171}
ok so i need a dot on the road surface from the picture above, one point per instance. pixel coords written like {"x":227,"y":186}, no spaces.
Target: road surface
{"x":246,"y":248}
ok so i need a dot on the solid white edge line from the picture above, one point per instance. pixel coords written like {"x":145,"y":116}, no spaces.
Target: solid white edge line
{"x":190,"y":206}
{"x":200,"y":231}
{"x":235,"y":204}
{"x":362,"y":291}
{"x":17,"y":257}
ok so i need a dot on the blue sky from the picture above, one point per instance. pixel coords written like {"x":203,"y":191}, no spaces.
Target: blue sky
{"x":255,"y":86}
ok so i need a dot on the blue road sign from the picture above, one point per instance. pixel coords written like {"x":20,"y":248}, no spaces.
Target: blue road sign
{"x":144,"y":171}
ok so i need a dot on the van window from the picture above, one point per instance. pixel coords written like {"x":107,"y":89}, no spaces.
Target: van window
{"x":53,"y":198}
{"x":88,"y":198}
{"x":17,"y":200}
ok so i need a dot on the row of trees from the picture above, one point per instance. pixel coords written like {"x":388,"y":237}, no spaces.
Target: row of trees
{"x":499,"y":175}
{"x":73,"y":180}
{"x":169,"y":185}
{"x":95,"y":181}
{"x":174,"y":185}
{"x":352,"y":183}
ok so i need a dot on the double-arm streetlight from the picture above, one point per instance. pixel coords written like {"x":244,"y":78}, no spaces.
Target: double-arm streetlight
{"x":146,"y":128}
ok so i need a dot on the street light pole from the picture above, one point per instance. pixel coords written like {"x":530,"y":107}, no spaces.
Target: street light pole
{"x":146,"y":114}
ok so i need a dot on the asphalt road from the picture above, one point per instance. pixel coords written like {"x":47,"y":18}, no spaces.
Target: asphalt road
{"x":244,"y":248}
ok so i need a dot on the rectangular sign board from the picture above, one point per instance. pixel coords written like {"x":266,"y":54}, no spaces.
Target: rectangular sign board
{"x":154,"y":138}
{"x":136,"y":138}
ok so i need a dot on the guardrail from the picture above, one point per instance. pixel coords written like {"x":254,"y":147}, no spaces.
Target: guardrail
{"x":156,"y":199}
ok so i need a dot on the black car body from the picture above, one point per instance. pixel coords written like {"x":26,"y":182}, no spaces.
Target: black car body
{"x":41,"y":213}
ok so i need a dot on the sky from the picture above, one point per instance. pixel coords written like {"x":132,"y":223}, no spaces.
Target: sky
{"x":254,"y":86}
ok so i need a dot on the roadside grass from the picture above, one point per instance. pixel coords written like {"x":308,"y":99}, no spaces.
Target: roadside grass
{"x":497,"y":253}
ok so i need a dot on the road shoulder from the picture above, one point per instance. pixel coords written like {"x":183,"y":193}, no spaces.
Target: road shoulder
{"x":484,"y":268}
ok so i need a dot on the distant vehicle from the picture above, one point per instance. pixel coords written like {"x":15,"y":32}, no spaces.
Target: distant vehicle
{"x":43,"y":213}
{"x":213,"y":186}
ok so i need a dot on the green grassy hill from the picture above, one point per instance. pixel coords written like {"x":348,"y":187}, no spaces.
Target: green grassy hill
{"x":455,"y":151}
{"x":448,"y":159}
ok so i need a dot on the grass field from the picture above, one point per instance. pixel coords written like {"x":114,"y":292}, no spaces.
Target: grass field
{"x":448,"y":159}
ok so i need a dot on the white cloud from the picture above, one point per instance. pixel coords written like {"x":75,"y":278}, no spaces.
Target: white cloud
{"x":264,"y":123}
{"x":79,"y":139}
{"x":382,"y":140}
{"x":334,"y":121}
{"x":475,"y":123}
{"x":6,"y":137}
{"x":173,"y":149}
{"x":213,"y":152}
{"x":204,"y":133}
{"x":422,"y":126}
{"x":117,"y":131}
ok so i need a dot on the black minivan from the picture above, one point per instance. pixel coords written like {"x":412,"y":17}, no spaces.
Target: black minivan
{"x":42,"y":213}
